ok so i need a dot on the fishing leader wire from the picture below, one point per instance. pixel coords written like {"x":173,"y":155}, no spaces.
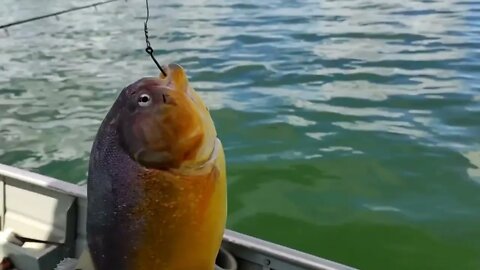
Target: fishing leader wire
{"x":149,"y":48}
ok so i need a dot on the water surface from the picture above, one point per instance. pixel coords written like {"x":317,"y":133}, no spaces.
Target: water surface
{"x":351,"y":128}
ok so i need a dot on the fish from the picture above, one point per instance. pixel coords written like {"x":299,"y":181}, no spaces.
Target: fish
{"x":157,"y":191}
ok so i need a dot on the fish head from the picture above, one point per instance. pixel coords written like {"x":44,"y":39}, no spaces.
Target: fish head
{"x":164,"y":124}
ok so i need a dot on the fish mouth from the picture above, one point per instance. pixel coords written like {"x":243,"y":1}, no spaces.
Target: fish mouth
{"x":159,"y":161}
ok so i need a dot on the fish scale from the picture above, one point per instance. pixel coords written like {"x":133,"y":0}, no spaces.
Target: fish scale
{"x":156,"y":184}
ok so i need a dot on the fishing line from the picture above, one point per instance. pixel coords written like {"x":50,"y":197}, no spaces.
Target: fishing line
{"x":55,"y":14}
{"x":149,"y":48}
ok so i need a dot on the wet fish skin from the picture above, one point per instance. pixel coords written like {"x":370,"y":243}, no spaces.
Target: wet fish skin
{"x":157,"y":180}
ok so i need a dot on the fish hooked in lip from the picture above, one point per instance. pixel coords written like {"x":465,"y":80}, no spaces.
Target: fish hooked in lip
{"x":157,"y":180}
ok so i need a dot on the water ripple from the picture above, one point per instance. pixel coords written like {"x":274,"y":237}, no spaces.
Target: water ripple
{"x":346,"y":119}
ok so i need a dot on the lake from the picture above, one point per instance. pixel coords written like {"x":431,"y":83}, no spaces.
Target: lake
{"x":351,"y":128}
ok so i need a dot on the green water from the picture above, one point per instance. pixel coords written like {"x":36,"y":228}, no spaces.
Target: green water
{"x":351,"y":128}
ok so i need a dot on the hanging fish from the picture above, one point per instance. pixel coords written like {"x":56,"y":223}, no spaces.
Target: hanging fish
{"x":157,"y":180}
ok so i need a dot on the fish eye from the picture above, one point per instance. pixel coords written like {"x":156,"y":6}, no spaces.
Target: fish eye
{"x":144,"y":100}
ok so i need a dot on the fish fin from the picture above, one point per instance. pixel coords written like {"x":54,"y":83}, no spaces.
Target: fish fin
{"x":85,"y":261}
{"x":67,"y":264}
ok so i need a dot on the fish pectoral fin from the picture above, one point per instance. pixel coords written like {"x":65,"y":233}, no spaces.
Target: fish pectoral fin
{"x":67,"y":264}
{"x":85,"y":261}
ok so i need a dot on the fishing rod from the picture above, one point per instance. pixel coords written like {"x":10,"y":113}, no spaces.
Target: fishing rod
{"x":148,"y":49}
{"x":55,"y":14}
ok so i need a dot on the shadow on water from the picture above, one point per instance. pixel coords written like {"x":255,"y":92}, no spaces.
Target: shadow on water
{"x":381,"y":224}
{"x":378,"y":238}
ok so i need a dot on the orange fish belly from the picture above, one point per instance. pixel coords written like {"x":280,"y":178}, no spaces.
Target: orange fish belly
{"x":184,"y":217}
